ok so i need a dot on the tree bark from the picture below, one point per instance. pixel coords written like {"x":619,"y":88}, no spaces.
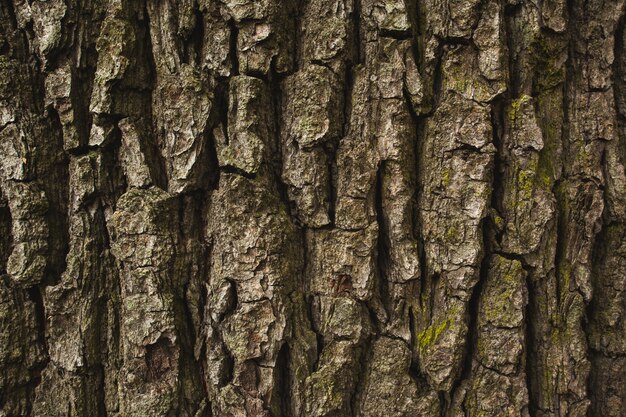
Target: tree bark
{"x":312,"y":208}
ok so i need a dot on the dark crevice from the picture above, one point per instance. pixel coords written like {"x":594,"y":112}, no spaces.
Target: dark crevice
{"x":473,"y":314}
{"x":414,"y":370}
{"x":456,"y":41}
{"x":150,"y":145}
{"x":284,"y":381}
{"x":275,"y":88}
{"x":400,"y":35}
{"x":356,"y":22}
{"x":191,"y":229}
{"x":83,"y":73}
{"x":319,"y":337}
{"x":229,"y":169}
{"x":35,"y":295}
{"x":193,"y":43}
{"x":309,"y":303}
{"x":530,"y":341}
{"x":443,"y":401}
{"x":255,"y":73}
{"x":417,"y":229}
{"x":197,"y":37}
{"x":233,"y":298}
{"x":363,"y":358}
{"x":55,"y":182}
{"x":383,"y":260}
{"x":80,"y":99}
{"x":465,"y":149}
{"x":6,"y":234}
{"x":417,"y":15}
{"x":87,"y":149}
{"x":561,"y":262}
{"x":213,"y":178}
{"x":499,"y":162}
{"x":331,"y":148}
{"x":510,"y":17}
{"x":324,"y":64}
{"x":222,"y":105}
{"x":428,"y":283}
{"x":218,"y":118}
{"x":232,"y":53}
{"x":7,"y":15}
{"x":228,"y":373}
{"x":332,"y":184}
{"x":438,"y":76}
{"x":100,"y":374}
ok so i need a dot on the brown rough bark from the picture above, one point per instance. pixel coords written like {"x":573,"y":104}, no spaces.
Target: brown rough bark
{"x":312,"y":208}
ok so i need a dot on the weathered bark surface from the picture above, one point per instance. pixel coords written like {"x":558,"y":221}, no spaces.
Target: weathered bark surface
{"x":312,"y":208}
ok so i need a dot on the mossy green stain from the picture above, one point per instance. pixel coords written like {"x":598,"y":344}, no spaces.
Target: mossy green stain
{"x":452,"y":233}
{"x":498,"y":221}
{"x":517,"y":106}
{"x":525,"y":183}
{"x":498,"y":307}
{"x":445,"y":177}
{"x":429,"y":336}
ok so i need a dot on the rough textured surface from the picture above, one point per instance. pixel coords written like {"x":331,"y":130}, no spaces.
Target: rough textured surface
{"x":312,"y":208}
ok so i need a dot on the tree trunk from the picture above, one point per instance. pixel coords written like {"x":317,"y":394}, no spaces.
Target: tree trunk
{"x":315,"y":208}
